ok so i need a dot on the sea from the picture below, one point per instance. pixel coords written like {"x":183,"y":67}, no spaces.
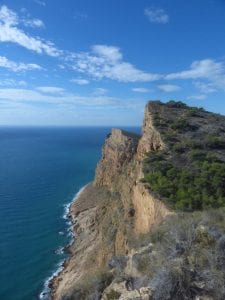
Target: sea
{"x":41,"y":172}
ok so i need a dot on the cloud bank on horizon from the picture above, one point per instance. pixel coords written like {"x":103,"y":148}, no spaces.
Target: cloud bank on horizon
{"x":53,"y":71}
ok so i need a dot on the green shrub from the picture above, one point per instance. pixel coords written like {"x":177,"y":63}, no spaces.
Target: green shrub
{"x":214,"y":142}
{"x":180,"y":124}
{"x":193,"y":144}
{"x":179,"y":148}
{"x":198,"y":185}
{"x":195,"y":111}
{"x":113,"y":295}
{"x":176,"y":104}
{"x":197,"y":155}
{"x":183,"y":125}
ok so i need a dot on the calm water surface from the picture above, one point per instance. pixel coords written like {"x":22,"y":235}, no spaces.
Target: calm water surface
{"x":41,"y":169}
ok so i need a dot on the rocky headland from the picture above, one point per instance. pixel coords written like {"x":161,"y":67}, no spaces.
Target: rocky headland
{"x":115,"y":216}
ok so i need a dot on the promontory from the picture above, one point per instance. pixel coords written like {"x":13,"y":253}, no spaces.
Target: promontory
{"x":151,"y":225}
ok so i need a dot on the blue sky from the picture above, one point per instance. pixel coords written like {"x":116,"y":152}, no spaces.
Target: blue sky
{"x":97,"y":62}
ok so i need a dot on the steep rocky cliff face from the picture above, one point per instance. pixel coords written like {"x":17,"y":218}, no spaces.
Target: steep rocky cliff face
{"x":151,"y":139}
{"x":120,"y":170}
{"x":112,"y":211}
{"x":118,"y":151}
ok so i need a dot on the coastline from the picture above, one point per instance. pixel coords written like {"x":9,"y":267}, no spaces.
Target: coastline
{"x":85,"y":214}
{"x":51,"y":281}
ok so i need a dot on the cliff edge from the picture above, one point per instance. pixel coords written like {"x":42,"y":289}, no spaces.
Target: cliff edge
{"x":112,"y":211}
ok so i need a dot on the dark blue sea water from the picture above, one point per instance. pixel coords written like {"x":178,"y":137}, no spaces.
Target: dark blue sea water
{"x":41,"y":169}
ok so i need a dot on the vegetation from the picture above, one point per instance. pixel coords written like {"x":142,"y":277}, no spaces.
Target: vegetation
{"x":182,"y":258}
{"x":196,"y":186}
{"x":187,"y":257}
{"x":176,"y":104}
{"x":190,"y":173}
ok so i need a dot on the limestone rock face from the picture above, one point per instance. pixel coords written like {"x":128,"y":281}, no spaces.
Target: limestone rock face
{"x":114,"y":210}
{"x":151,"y":139}
{"x":117,"y":152}
{"x":120,"y":170}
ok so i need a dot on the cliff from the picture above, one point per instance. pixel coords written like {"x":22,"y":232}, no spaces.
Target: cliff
{"x":113,"y":210}
{"x":123,"y":204}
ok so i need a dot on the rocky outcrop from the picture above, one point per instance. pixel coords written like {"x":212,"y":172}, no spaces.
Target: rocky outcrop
{"x":151,"y":139}
{"x":129,"y":283}
{"x":113,"y":211}
{"x":118,"y":150}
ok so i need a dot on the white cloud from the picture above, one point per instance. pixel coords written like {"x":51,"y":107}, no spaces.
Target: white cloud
{"x":197,"y":97}
{"x":208,"y":69}
{"x":157,"y":15}
{"x":21,"y":83}
{"x":168,"y":88}
{"x":12,"y":82}
{"x":34,"y":23}
{"x":80,"y":16}
{"x":109,"y":53}
{"x":80,"y":81}
{"x":40,"y":2}
{"x":100,"y":91}
{"x":50,"y":89}
{"x":8,"y":16}
{"x":19,"y":95}
{"x":141,"y":90}
{"x":9,"y":32}
{"x":204,"y":87}
{"x":107,"y":62}
{"x":17,"y":67}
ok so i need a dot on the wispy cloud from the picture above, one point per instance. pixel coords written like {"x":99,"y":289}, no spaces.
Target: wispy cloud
{"x":50,"y":90}
{"x":107,"y":62}
{"x":168,"y":88}
{"x":141,"y":90}
{"x":204,"y":87}
{"x":10,"y":32}
{"x":26,"y":19}
{"x":197,"y":97}
{"x":34,"y":23}
{"x":80,"y":81}
{"x":51,"y":96}
{"x":40,"y":2}
{"x":156,"y":15}
{"x":80,"y":16}
{"x":208,"y":69}
{"x":100,"y":91}
{"x":12,"y":82}
{"x":17,"y":67}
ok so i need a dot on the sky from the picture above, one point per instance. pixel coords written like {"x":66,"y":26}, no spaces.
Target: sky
{"x":98,"y":62}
